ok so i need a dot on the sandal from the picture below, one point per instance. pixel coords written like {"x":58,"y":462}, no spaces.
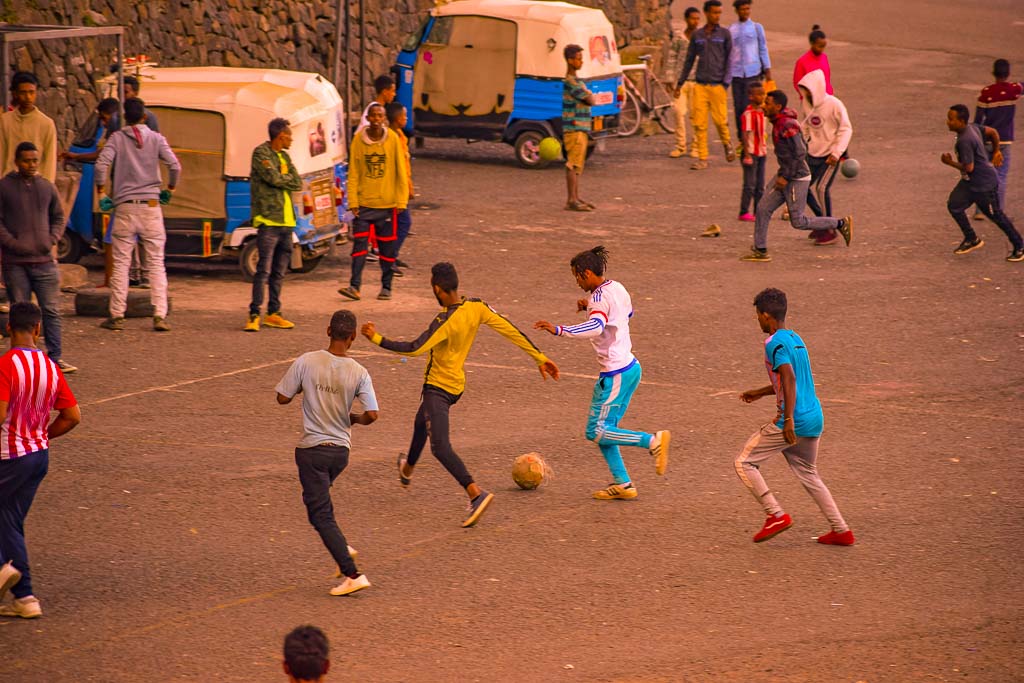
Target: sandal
{"x":577,"y":206}
{"x":404,"y":480}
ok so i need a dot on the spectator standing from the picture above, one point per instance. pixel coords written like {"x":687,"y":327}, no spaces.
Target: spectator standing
{"x":26,"y":123}
{"x":31,"y":387}
{"x":384,"y":90}
{"x":749,"y":62}
{"x":31,"y":224}
{"x":709,"y":49}
{"x":397,"y":119}
{"x":815,"y":58}
{"x":306,"y":657}
{"x":576,"y":125}
{"x":677,"y":47}
{"x":754,"y":150}
{"x":135,"y":153}
{"x":272,"y":179}
{"x":996,"y":108}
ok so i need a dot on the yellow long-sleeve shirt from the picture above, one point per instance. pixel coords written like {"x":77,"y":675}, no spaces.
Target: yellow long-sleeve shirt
{"x":35,"y":127}
{"x":377,"y":174}
{"x":449,"y":339}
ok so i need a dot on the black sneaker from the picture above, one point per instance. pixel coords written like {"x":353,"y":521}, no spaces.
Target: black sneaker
{"x":477,"y":506}
{"x":1016,"y":255}
{"x":969,"y":246}
{"x":372,"y":257}
{"x":401,"y":264}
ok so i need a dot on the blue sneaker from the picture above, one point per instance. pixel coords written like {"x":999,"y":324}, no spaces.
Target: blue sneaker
{"x":477,"y":507}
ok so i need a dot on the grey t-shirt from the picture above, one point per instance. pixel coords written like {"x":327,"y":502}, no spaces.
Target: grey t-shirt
{"x":329,"y":384}
{"x":970,"y":148}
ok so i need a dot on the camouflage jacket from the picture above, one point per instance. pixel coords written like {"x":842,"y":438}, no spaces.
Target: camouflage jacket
{"x":267,"y":184}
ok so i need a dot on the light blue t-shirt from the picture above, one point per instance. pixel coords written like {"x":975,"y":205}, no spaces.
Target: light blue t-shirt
{"x":329,"y":385}
{"x":785,"y":347}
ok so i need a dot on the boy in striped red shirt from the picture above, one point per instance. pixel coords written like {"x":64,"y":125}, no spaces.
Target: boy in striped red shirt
{"x":755,"y":152}
{"x":31,"y":386}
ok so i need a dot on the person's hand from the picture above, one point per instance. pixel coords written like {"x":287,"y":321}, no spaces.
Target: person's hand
{"x":832,"y":160}
{"x":581,"y":305}
{"x":678,"y":91}
{"x":106,"y":204}
{"x":548,"y":368}
{"x":788,"y":432}
{"x":947,"y":158}
{"x":750,"y":396}
{"x":68,"y":156}
{"x":165,"y":196}
{"x":354,"y":210}
{"x":780,"y":183}
{"x":546,"y":326}
{"x":997,"y":158}
{"x":746,"y":159}
{"x":368,"y":330}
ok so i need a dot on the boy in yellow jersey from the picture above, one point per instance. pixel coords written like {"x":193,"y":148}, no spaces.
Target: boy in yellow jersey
{"x":448,"y":341}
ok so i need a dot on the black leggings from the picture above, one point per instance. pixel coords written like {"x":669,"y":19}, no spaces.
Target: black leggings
{"x":432,"y":421}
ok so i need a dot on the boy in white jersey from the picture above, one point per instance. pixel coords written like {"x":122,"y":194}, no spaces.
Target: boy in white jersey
{"x":609,"y":309}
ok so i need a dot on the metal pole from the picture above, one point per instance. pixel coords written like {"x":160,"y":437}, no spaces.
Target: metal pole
{"x":120,"y":76}
{"x":362,"y":53}
{"x":348,"y":72}
{"x":336,"y":70}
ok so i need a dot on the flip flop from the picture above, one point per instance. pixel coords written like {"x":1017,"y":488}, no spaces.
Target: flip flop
{"x":405,"y":481}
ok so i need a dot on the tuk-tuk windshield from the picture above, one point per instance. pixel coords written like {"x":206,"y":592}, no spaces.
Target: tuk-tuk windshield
{"x":413,"y":41}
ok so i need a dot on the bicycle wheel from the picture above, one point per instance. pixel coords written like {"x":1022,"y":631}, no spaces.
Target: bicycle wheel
{"x":664,"y":108}
{"x":629,"y":116}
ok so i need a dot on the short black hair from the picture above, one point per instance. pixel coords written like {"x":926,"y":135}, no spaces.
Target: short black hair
{"x":343,"y":325}
{"x":382,"y":83}
{"x":276,"y":127}
{"x":133,"y":82}
{"x":1001,"y":68}
{"x":815,"y":35}
{"x":754,"y":86}
{"x":739,"y":3}
{"x":24,"y":316}
{"x":962,"y":112}
{"x":595,"y":260}
{"x":779,"y":97}
{"x":20,"y":77}
{"x":374,"y":105}
{"x":571,"y":51}
{"x":712,"y":3}
{"x":134,"y":111}
{"x":690,"y":10}
{"x":444,"y":276}
{"x":107,"y":106}
{"x":771,"y":301}
{"x":305,"y":652}
{"x":393,"y":110}
{"x":24,"y":147}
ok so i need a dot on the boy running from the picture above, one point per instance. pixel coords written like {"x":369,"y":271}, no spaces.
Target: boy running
{"x":609,"y":309}
{"x":755,"y":151}
{"x":796,"y":429}
{"x":448,"y":340}
{"x":329,"y":382}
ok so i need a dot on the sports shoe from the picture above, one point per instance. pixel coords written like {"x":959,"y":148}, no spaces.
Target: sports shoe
{"x":160,"y":325}
{"x":694,"y":153}
{"x":756,"y":255}
{"x":1016,"y":255}
{"x":837,"y":538}
{"x":747,"y":217}
{"x":402,"y":479}
{"x":350,"y":585}
{"x":659,"y":449}
{"x":699,"y":165}
{"x":772,"y":526}
{"x":277,"y":321}
{"x":969,"y":245}
{"x":830,"y":237}
{"x":350,"y":293}
{"x":26,"y":608}
{"x":730,"y":154}
{"x":477,"y":507}
{"x":397,"y":272}
{"x":676,"y":153}
{"x":8,"y":577}
{"x":352,"y":552}
{"x":845,"y":229}
{"x":385,"y":295}
{"x":253,"y":323}
{"x":401,"y":264}
{"x":617,"y":492}
{"x":66,"y":367}
{"x":372,"y":257}
{"x":979,"y":216}
{"x":116,"y":324}
{"x":713,"y":230}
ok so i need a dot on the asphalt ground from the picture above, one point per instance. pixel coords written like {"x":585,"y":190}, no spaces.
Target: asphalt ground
{"x":169,"y":542}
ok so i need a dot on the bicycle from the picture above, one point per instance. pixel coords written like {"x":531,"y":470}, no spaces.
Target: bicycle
{"x":652,"y":98}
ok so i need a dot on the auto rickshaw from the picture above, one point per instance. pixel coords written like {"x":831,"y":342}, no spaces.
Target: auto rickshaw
{"x":213,"y":118}
{"x":493,"y":70}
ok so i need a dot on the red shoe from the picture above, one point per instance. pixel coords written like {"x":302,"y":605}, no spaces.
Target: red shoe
{"x":835,"y":538}
{"x":773,"y":526}
{"x":829,"y":237}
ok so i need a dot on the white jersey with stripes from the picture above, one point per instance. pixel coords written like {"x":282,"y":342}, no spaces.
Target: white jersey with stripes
{"x":609,"y":309}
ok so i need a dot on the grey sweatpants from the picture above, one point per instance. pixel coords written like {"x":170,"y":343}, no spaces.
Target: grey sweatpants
{"x":801,"y":456}
{"x":794,"y":196}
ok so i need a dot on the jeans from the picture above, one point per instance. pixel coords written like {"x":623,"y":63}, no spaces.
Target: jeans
{"x":961,"y":198}
{"x":740,"y":99}
{"x":1003,"y":172}
{"x":275,"y":247}
{"x":753,"y":184}
{"x":608,"y":405}
{"x":43,"y":280}
{"x":145,"y":224}
{"x":404,"y":227}
{"x":382,"y":221}
{"x":318,"y":467}
{"x":19,"y":481}
{"x":794,"y":196}
{"x":432,"y":421}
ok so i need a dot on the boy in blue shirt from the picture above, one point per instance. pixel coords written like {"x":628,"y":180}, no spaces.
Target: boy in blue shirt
{"x":796,"y":429}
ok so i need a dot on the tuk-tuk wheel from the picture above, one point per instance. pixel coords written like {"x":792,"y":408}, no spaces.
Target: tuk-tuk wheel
{"x":70,"y":248}
{"x":528,"y":149}
{"x":249,"y":259}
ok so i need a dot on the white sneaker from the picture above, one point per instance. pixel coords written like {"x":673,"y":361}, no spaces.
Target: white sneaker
{"x":659,"y":449}
{"x":26,"y":608}
{"x":8,"y":577}
{"x":351,"y":585}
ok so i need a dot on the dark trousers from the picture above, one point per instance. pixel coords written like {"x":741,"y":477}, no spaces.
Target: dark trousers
{"x":753,"y":184}
{"x":275,"y":247}
{"x":404,"y":227}
{"x":740,"y":100}
{"x":318,"y":467}
{"x":819,"y":194}
{"x":43,"y":280}
{"x":382,"y":221}
{"x":19,"y":481}
{"x":432,"y":421}
{"x":961,"y":198}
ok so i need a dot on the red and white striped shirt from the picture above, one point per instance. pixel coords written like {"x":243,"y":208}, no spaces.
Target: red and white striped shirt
{"x":752,"y":121}
{"x":33,"y":386}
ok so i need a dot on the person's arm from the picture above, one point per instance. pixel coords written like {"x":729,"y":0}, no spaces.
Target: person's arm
{"x":355,"y":173}
{"x":992,"y":136}
{"x":580,"y":92}
{"x":104,"y":162}
{"x":7,"y":239}
{"x":290,"y":385}
{"x":436,"y":333}
{"x":294,"y":180}
{"x":267,"y":167}
{"x":171,"y":160}
{"x":66,"y":420}
{"x":788,"y":384}
{"x":48,"y":154}
{"x":752,"y":395}
{"x":402,"y":171}
{"x":843,"y":136}
{"x":980,"y":113}
{"x":762,"y":50}
{"x":366,"y":396}
{"x":57,"y":222}
{"x":691,"y":55}
{"x":965,"y":163}
{"x":727,"y":66}
{"x":746,"y":135}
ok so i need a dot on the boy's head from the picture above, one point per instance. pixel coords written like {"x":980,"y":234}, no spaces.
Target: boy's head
{"x":24,"y":87}
{"x":713,"y":11}
{"x":957,"y":117}
{"x":107,"y":109}
{"x":573,"y":56}
{"x":817,"y":40}
{"x":26,"y":159}
{"x":134,"y":111}
{"x":756,"y":94}
{"x":1001,"y":69}
{"x":343,"y":326}
{"x":742,"y":8}
{"x":384,"y":86}
{"x":396,"y":114}
{"x":24,"y":317}
{"x":692,"y":17}
{"x":588,"y":267}
{"x":305,"y":655}
{"x":444,"y":278}
{"x":375,"y":117}
{"x":131,"y":87}
{"x":775,"y":102}
{"x":770,"y":305}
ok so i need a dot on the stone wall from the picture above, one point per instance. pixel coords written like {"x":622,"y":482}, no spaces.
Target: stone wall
{"x":295,"y":35}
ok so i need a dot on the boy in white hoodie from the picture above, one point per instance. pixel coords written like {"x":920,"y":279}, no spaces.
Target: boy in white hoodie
{"x":827,"y":128}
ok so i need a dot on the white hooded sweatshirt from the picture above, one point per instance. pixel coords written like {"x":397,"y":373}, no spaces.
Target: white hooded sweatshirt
{"x":826,"y":124}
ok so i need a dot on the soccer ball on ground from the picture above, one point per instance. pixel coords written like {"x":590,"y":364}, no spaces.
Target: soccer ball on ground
{"x":529,"y":470}
{"x":850,"y":168}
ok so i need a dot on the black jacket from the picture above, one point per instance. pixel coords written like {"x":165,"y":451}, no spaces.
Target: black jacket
{"x":31,"y":219}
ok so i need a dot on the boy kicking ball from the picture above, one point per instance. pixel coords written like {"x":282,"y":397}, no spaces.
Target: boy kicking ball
{"x":796,"y":429}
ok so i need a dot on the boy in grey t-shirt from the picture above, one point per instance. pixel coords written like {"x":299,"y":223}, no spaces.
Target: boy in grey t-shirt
{"x":329,"y":382}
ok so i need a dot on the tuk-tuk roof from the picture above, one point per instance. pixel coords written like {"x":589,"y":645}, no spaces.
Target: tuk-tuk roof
{"x":540,"y":21}
{"x":248,"y":99}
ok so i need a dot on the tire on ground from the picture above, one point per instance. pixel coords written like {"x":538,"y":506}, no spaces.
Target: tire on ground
{"x":95,"y":303}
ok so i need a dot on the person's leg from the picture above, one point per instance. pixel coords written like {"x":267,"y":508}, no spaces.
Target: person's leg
{"x":282,"y":259}
{"x":318,"y":467}
{"x":265,"y":249}
{"x":18,"y":283}
{"x":749,"y":185}
{"x":122,"y":242}
{"x":740,"y":100}
{"x":45,"y":279}
{"x":404,"y":228}
{"x":720,"y":115}
{"x":988,"y":204}
{"x":1003,"y":172}
{"x":801,"y":457}
{"x":360,"y":247}
{"x":765,"y":443}
{"x":153,"y":237}
{"x":960,"y":199}
{"x":687,"y":92}
{"x":610,"y":451}
{"x":759,"y":164}
{"x":771,"y":201}
{"x":419,"y":436}
{"x":19,"y":481}
{"x":824,"y":190}
{"x":699,"y":118}
{"x":437,"y":404}
{"x":817,"y":166}
{"x":680,"y":105}
{"x":796,"y":203}
{"x":384,"y":227}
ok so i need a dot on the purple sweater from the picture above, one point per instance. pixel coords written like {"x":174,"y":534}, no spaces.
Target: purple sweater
{"x":31,"y":219}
